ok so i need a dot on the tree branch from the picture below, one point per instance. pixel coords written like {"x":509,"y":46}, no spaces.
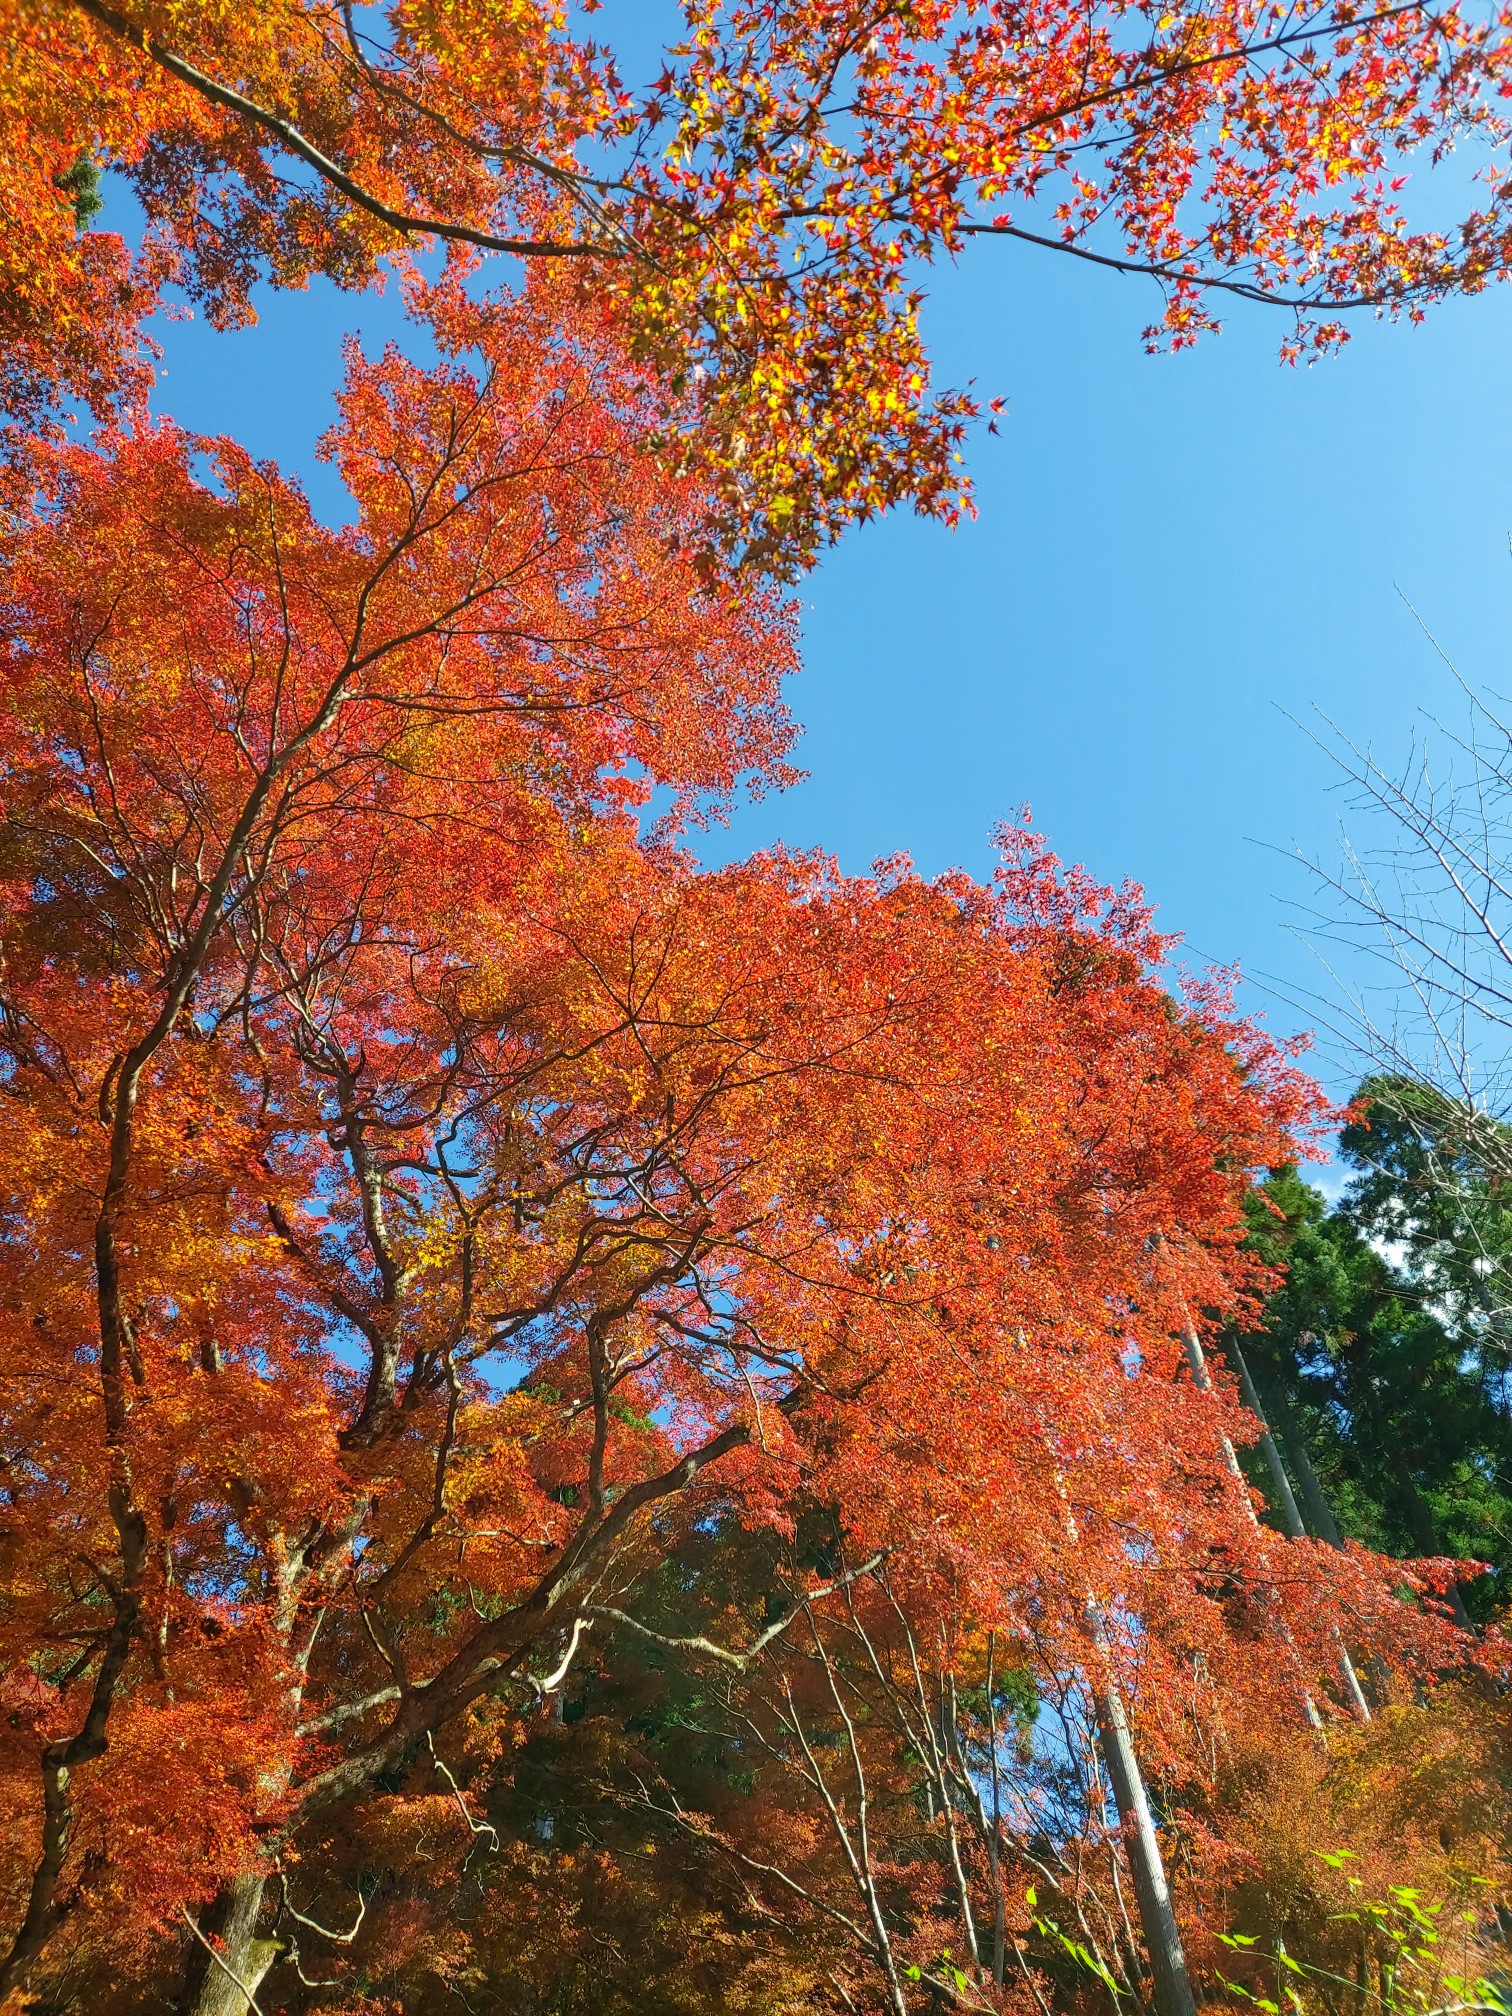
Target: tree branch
{"x":288,"y":135}
{"x":739,"y":1662}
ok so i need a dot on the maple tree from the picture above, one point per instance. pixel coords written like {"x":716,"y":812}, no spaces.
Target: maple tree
{"x":759,"y":218}
{"x":429,"y":1197}
{"x":458,"y":1256}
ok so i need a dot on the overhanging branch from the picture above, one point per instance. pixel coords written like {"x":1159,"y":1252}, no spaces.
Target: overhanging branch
{"x":407,"y":223}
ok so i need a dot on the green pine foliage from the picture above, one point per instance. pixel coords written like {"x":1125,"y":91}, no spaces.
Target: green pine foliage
{"x":1383,"y":1358}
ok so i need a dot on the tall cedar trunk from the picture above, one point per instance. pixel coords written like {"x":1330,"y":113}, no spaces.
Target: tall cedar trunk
{"x":1319,"y":1512}
{"x":1425,"y":1536}
{"x":233,"y":1926}
{"x":1168,"y":1969}
{"x":1286,"y":1498}
{"x":1320,"y":1519}
{"x":1286,"y":1502}
{"x":1197,"y":1360}
{"x":994,"y":1852}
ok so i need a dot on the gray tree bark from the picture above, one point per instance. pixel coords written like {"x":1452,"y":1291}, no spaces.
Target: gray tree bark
{"x":244,"y":1959}
{"x":1197,"y":1360}
{"x":1319,"y":1512}
{"x":1426,"y":1536}
{"x":1170,"y":1981}
{"x":1286,"y":1502}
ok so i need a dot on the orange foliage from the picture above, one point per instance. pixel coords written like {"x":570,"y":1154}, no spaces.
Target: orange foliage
{"x":1418,"y":1798}
{"x":757,"y":219}
{"x":429,"y":1201}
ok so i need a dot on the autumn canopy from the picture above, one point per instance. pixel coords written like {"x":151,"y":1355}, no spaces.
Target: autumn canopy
{"x":566,"y":1416}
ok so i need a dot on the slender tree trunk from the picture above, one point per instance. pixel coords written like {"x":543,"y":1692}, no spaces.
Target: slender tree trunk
{"x":232,"y":1928}
{"x":994,"y":1838}
{"x":1168,"y":1969}
{"x":1425,"y":1536}
{"x":1319,"y":1512}
{"x":1286,"y":1502}
{"x":1152,"y":1894}
{"x":1286,"y":1498}
{"x":1197,"y":1360}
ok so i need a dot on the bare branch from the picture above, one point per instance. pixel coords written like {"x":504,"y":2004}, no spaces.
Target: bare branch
{"x":738,"y":1662}
{"x":234,"y":1978}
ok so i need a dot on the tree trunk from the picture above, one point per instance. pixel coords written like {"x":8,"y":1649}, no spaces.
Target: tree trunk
{"x":1152,"y":1894}
{"x":1291,"y":1516}
{"x":241,"y":1953}
{"x":994,"y":1838}
{"x":1197,"y":1360}
{"x":1319,"y":1512}
{"x":1425,"y":1537}
{"x":1172,"y":1986}
{"x":1286,"y":1499}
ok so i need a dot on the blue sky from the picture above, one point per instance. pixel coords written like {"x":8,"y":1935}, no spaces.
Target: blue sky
{"x":1171,"y":555}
